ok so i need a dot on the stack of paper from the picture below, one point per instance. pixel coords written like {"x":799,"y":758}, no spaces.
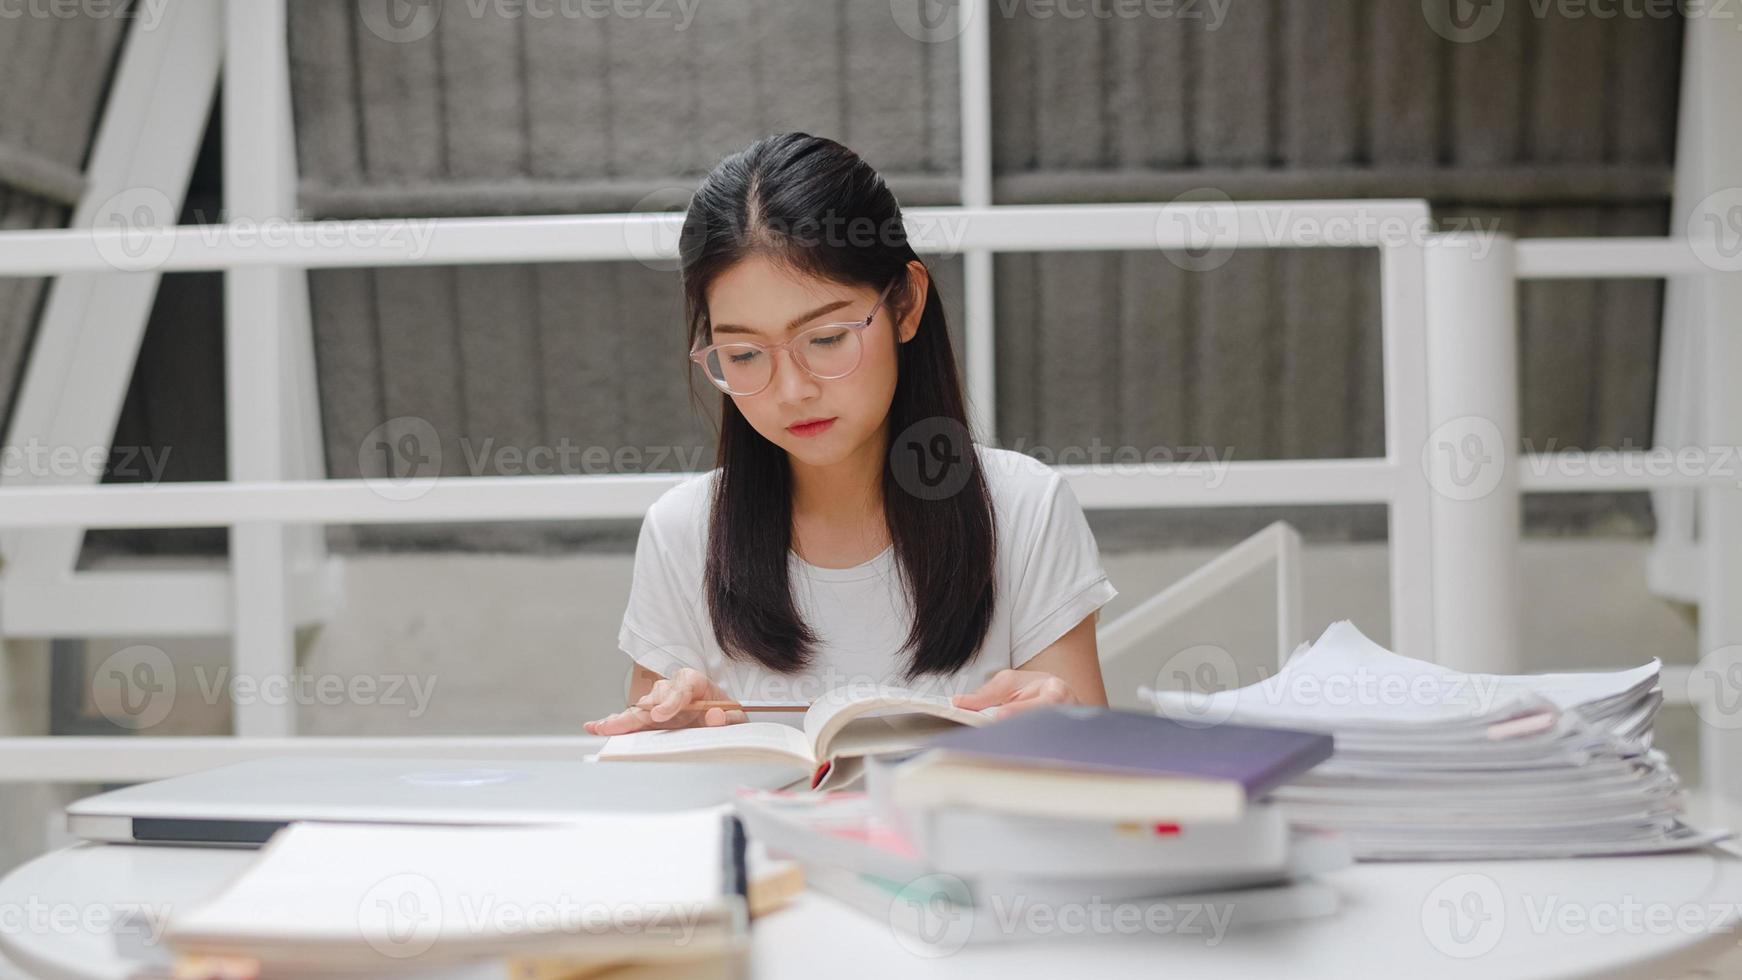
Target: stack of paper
{"x":1432,"y":763}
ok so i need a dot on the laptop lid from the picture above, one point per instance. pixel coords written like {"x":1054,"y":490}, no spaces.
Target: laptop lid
{"x":242,"y":804}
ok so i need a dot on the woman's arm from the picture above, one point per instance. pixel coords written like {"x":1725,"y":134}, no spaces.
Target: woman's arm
{"x":641,"y":681}
{"x":1068,"y":672}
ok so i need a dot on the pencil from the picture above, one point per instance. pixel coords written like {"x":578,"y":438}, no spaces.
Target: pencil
{"x":748,"y":706}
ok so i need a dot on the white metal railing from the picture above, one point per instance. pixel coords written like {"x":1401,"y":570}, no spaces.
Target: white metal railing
{"x":1452,"y":597}
{"x":1395,"y":480}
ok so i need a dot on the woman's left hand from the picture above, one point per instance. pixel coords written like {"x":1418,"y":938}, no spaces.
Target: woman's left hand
{"x":1013,"y":691}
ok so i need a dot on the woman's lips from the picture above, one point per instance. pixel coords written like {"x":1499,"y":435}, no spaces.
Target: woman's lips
{"x":814,"y":428}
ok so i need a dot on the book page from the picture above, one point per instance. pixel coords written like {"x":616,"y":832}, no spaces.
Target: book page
{"x":756,"y":739}
{"x":835,"y":709}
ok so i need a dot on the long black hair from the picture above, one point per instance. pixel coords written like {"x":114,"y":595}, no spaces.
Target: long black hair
{"x":816,"y":207}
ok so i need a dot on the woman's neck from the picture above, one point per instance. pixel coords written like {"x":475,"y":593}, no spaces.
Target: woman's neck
{"x":837,"y":509}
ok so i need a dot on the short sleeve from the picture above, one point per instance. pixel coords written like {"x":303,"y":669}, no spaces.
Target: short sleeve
{"x":1061,"y":582}
{"x":661,"y":629}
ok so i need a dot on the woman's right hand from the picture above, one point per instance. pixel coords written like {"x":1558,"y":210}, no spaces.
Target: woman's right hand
{"x":667,"y":706}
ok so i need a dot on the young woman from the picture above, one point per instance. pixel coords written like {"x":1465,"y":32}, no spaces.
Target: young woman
{"x":852,"y":533}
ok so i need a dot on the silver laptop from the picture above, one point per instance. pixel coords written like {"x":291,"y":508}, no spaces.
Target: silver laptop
{"x":242,"y":804}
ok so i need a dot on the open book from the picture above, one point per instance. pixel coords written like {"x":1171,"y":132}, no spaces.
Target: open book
{"x":841,"y":728}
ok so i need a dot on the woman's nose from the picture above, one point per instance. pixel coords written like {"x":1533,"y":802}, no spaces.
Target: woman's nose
{"x":791,"y":381}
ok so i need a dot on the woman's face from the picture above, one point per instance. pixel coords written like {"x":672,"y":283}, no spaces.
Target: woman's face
{"x":760,"y":301}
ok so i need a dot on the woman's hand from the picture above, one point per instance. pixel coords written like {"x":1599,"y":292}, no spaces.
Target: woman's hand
{"x":667,"y":706}
{"x":1015,"y":691}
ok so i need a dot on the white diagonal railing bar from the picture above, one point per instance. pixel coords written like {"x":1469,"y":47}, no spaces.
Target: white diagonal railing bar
{"x":1275,"y":544}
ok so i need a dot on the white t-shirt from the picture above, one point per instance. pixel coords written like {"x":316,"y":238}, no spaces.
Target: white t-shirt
{"x":1048,"y":578}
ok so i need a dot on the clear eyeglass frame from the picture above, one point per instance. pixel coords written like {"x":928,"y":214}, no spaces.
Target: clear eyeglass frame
{"x":716,"y":353}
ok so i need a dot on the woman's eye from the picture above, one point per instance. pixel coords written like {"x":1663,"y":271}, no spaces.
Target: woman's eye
{"x":743,"y":357}
{"x":828,"y":341}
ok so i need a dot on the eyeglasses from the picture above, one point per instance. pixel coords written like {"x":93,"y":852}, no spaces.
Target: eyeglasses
{"x":826,"y":352}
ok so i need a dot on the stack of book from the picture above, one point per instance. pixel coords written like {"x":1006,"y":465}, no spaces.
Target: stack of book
{"x":1062,"y":808}
{"x":1432,"y":763}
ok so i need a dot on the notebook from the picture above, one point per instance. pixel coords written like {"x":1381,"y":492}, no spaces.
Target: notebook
{"x":840,"y":729}
{"x":363,"y":896}
{"x":1082,"y":762}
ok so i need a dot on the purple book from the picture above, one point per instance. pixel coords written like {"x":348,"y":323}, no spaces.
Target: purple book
{"x":1081,"y":738}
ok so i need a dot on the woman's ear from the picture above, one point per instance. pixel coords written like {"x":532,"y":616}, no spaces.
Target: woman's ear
{"x":918,"y":285}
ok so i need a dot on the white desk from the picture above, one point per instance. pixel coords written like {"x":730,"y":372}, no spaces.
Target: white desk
{"x":1603,"y":917}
